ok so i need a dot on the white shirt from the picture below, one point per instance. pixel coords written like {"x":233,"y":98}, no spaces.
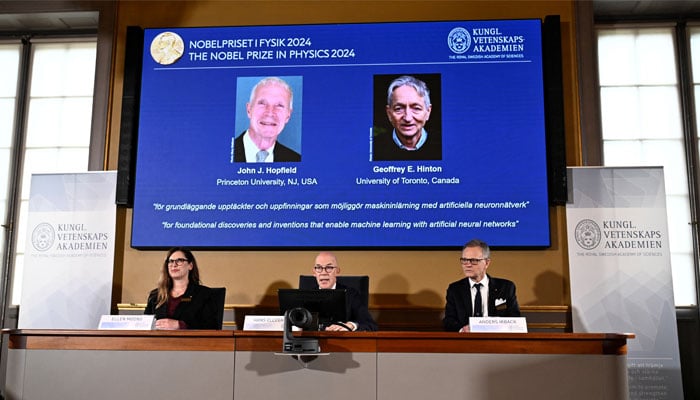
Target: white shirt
{"x":251,"y":149}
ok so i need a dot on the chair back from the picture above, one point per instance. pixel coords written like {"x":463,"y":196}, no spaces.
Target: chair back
{"x":219,"y":295}
{"x":357,"y":282}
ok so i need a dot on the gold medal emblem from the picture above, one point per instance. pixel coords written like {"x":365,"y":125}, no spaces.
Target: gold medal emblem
{"x":167,"y":47}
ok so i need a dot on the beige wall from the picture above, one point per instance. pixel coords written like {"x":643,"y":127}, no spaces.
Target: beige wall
{"x":397,"y":277}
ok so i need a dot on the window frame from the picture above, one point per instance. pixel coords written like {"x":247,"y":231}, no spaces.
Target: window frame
{"x":105,"y":15}
{"x":592,"y":139}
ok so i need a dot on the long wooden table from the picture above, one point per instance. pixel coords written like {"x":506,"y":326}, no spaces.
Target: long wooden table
{"x":77,"y":364}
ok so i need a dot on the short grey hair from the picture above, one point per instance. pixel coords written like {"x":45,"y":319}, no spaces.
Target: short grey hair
{"x":413,"y":82}
{"x":485,"y":250}
{"x":276,"y":81}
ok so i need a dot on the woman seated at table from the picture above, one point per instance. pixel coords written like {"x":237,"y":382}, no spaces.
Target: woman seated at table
{"x":180,"y":301}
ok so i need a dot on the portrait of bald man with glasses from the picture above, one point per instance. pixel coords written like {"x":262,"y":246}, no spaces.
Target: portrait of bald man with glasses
{"x":325,"y":271}
{"x":478,"y":294}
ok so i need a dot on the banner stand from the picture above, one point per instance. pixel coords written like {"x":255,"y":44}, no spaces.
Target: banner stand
{"x":620,"y":267}
{"x":69,"y":256}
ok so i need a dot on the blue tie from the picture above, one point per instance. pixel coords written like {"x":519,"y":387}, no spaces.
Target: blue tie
{"x":478,"y":308}
{"x":261,"y":156}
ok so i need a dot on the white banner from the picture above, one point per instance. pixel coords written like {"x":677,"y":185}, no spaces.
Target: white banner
{"x":69,"y":256}
{"x":620,"y":267}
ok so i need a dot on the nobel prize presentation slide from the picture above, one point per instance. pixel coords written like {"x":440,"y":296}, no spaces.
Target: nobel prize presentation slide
{"x":339,"y":177}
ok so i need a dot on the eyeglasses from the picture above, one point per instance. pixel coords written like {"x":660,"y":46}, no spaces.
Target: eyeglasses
{"x":327,"y":268}
{"x":178,"y":261}
{"x":472,"y":261}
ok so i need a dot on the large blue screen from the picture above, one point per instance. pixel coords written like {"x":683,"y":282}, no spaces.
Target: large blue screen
{"x":486,"y":176}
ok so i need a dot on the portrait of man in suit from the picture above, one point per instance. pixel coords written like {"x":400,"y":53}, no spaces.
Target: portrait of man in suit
{"x":268,"y":110}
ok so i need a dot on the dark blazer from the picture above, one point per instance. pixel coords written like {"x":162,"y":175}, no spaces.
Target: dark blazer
{"x":357,"y":310}
{"x":458,"y":307}
{"x":197,"y":308}
{"x":281,"y":153}
{"x":385,"y":149}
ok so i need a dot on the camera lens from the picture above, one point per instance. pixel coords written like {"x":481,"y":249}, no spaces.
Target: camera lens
{"x":300,"y":317}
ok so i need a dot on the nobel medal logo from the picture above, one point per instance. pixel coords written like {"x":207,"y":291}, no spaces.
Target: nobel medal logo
{"x":587,"y":234}
{"x":43,"y":236}
{"x":459,"y":40}
{"x":167,"y":48}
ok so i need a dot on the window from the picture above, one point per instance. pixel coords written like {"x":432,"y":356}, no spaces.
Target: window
{"x":642,"y":125}
{"x":9,"y":61}
{"x":694,"y":34}
{"x":58,"y":119}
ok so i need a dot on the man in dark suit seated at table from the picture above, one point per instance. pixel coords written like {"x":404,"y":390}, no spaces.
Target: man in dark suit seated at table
{"x":479,"y":294}
{"x":326,"y":270}
{"x":269,"y":109}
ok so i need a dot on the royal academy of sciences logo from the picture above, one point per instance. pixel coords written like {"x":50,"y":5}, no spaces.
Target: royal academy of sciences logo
{"x":43,"y":236}
{"x":459,"y":40}
{"x":587,"y":234}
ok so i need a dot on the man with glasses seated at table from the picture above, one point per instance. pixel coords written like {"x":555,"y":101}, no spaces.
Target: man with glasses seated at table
{"x":326,"y":270}
{"x":478,"y":295}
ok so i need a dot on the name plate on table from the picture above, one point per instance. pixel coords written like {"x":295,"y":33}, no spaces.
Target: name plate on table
{"x":265,"y":323}
{"x":498,"y":324}
{"x":127,"y":322}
